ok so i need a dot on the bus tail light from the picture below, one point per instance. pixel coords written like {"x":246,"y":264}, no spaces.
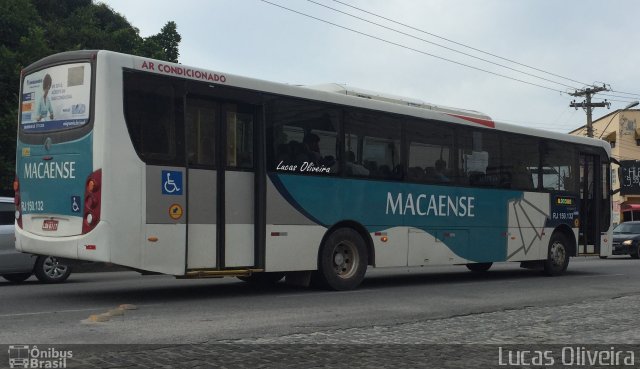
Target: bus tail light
{"x":92,"y":201}
{"x":16,"y":201}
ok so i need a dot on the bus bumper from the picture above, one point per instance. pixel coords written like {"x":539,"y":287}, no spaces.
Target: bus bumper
{"x":92,"y":246}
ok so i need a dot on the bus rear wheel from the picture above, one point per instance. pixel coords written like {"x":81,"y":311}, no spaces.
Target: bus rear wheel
{"x":558,"y":255}
{"x":342,"y":261}
{"x":479,"y":267}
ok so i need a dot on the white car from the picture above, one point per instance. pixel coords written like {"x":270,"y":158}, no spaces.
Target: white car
{"x":16,"y":266}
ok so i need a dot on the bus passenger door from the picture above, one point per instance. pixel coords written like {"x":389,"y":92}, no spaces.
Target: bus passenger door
{"x":221,"y":186}
{"x":238,"y":175}
{"x":202,"y":120}
{"x":590,"y":196}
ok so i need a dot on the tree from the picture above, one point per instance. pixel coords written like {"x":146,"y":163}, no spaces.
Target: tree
{"x":167,"y":41}
{"x":33,"y":29}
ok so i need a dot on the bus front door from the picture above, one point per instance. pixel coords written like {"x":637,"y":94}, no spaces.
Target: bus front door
{"x":221,"y":184}
{"x":590,"y":195}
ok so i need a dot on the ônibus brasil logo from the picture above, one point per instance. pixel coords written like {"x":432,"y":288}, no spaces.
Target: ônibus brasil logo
{"x":25,"y":356}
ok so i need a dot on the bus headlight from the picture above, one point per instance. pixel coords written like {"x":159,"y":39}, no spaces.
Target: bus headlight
{"x":627,"y":242}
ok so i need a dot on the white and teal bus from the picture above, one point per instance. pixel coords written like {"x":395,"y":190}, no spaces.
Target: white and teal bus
{"x":172,"y":169}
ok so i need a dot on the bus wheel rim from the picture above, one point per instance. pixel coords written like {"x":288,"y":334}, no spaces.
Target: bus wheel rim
{"x":345,"y":259}
{"x":558,"y":253}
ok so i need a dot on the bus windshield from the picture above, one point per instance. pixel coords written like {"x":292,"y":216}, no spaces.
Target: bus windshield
{"x":56,"y":98}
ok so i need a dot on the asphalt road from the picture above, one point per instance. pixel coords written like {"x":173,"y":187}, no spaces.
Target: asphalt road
{"x":420,"y":318}
{"x":170,"y":311}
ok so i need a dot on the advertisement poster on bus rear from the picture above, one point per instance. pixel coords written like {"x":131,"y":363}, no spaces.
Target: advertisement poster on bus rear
{"x":56,"y":98}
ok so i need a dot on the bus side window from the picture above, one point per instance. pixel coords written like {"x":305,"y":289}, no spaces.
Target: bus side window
{"x":302,"y":137}
{"x":431,"y":148}
{"x":523,"y":162}
{"x":150,"y":107}
{"x":239,"y":140}
{"x":375,"y":143}
{"x":201,"y":122}
{"x":479,"y":160}
{"x":559,"y":167}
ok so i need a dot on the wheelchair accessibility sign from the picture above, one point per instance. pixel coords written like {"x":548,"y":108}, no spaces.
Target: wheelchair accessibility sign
{"x":171,"y":182}
{"x":75,"y":204}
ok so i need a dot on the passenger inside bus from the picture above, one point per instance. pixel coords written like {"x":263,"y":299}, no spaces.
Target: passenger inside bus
{"x":441,"y":170}
{"x":311,"y":148}
{"x":354,"y":168}
{"x":416,"y":174}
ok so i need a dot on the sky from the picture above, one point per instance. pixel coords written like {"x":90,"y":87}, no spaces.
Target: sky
{"x":580,"y":42}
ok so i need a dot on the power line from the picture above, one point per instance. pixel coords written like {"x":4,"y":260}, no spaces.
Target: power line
{"x":442,"y":46}
{"x":459,"y":43}
{"x":625,"y":93}
{"x":622,"y":97}
{"x":474,"y":49}
{"x":412,"y":49}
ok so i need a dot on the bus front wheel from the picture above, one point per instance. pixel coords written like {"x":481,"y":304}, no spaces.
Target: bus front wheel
{"x":263,"y":279}
{"x":342,"y":261}
{"x":558,"y":255}
{"x":479,"y":267}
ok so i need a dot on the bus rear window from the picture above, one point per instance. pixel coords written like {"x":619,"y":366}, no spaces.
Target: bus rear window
{"x":56,"y":98}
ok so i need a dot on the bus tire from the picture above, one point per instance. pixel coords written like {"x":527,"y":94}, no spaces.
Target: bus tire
{"x":342,"y":261}
{"x":557,"y":256}
{"x":263,"y":279}
{"x":479,"y":267}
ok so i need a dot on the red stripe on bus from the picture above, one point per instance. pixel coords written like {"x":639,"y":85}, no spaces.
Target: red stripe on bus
{"x":484,"y":122}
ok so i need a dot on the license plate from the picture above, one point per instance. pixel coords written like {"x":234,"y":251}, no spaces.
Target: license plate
{"x":50,"y":225}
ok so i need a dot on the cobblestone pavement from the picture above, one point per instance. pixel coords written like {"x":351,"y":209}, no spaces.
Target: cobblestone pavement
{"x":470,"y":341}
{"x":595,"y":322}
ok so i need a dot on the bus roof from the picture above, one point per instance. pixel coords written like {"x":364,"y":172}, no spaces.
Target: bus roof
{"x":331,"y":93}
{"x":373,"y":95}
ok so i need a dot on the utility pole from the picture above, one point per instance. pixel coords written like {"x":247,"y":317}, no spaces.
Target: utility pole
{"x":587,"y":105}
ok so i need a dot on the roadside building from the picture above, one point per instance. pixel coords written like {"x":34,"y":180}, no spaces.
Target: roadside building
{"x":621,"y":128}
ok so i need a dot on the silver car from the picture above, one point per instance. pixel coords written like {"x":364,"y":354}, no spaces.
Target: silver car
{"x":17,"y":267}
